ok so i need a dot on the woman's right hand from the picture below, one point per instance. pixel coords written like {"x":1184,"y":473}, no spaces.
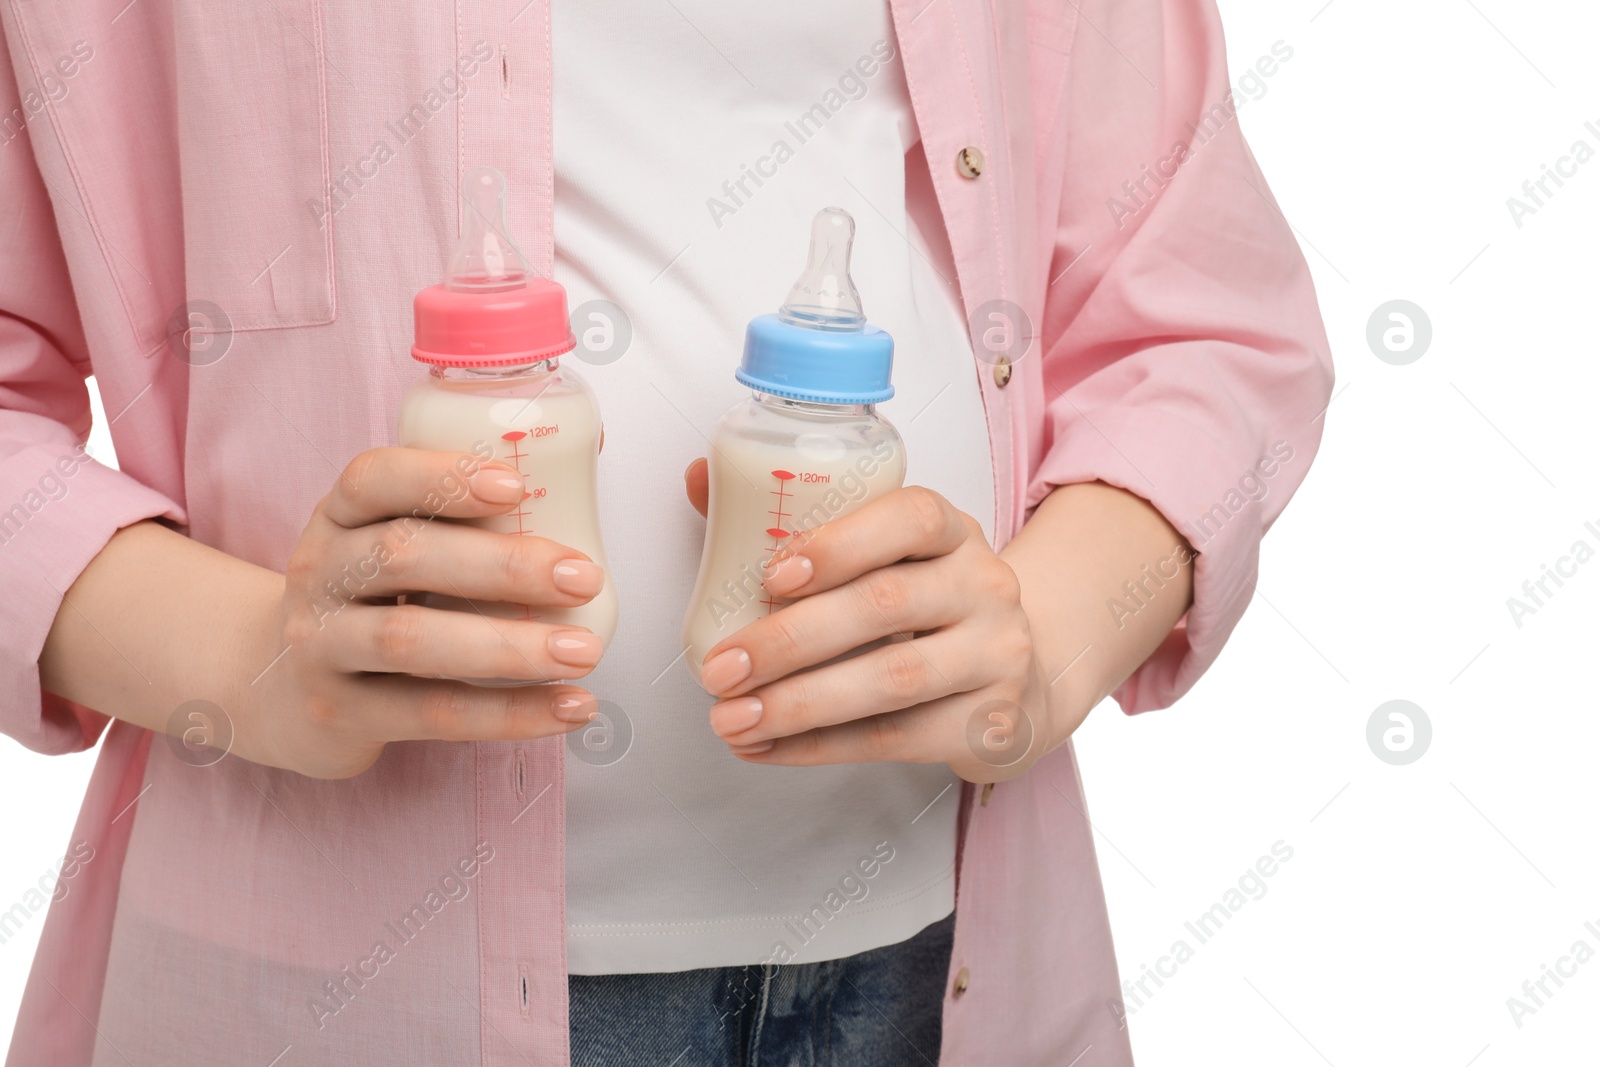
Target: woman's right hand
{"x":355,"y":670}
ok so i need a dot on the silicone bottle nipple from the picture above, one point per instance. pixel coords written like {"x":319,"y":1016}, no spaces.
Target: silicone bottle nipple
{"x":824,"y":297}
{"x":485,"y":260}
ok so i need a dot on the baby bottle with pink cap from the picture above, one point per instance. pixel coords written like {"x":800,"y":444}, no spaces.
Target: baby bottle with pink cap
{"x":493,"y":334}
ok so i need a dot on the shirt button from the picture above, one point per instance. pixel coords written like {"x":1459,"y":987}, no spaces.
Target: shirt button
{"x":963,"y":978}
{"x":969,"y":162}
{"x":1002,"y":371}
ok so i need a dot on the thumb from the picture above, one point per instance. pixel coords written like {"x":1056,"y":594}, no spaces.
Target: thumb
{"x":696,"y":485}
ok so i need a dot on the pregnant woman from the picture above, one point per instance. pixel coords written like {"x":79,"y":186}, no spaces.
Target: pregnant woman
{"x":1102,"y":325}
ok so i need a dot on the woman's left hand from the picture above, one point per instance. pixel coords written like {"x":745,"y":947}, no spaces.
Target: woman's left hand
{"x":956,"y":681}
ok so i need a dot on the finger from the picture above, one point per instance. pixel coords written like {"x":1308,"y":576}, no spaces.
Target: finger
{"x":696,"y":483}
{"x":936,"y":732}
{"x":905,"y":736}
{"x":414,"y":709}
{"x":385,"y":483}
{"x":406,"y":556}
{"x":893,"y":601}
{"x":901,"y":674}
{"x":909,"y":523}
{"x":429,"y":642}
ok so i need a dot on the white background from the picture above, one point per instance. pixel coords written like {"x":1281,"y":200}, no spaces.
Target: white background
{"x":1419,"y":897}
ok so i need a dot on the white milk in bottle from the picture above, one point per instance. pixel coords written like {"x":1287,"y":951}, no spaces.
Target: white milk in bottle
{"x":807,"y":446}
{"x":493,"y":334}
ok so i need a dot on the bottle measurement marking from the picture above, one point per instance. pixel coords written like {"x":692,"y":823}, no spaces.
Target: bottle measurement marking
{"x":515,"y":438}
{"x":776,"y":530}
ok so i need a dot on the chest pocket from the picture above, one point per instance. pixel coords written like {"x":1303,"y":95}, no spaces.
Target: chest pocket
{"x":195,"y":134}
{"x":253,"y":158}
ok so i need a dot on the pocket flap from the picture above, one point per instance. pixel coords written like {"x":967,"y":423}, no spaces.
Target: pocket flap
{"x":252,"y":116}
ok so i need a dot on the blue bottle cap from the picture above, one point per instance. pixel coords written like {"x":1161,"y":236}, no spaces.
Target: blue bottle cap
{"x":819,"y":347}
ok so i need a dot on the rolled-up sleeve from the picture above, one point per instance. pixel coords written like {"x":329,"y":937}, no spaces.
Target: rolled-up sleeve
{"x":58,"y":508}
{"x":1184,"y":358}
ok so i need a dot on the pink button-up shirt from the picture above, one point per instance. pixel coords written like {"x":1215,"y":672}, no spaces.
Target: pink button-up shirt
{"x":295,"y":165}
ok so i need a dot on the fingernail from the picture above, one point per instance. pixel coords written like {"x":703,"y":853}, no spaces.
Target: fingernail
{"x":576,"y":707}
{"x":575,"y":648}
{"x":578,"y":577}
{"x":735,"y":716}
{"x":725,"y":670}
{"x":751,"y":750}
{"x":496,"y":485}
{"x":788,"y":574}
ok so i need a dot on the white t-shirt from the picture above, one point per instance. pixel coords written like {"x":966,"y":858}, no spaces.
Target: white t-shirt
{"x":694,"y":141}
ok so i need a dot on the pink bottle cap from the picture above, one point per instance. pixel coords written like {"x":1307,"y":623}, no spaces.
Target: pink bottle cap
{"x":490,"y":311}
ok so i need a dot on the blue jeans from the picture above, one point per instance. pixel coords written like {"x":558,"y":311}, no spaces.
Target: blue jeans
{"x":881,"y":1008}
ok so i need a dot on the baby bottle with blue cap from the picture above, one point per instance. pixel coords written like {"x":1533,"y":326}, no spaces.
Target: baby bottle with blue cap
{"x":807,"y":447}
